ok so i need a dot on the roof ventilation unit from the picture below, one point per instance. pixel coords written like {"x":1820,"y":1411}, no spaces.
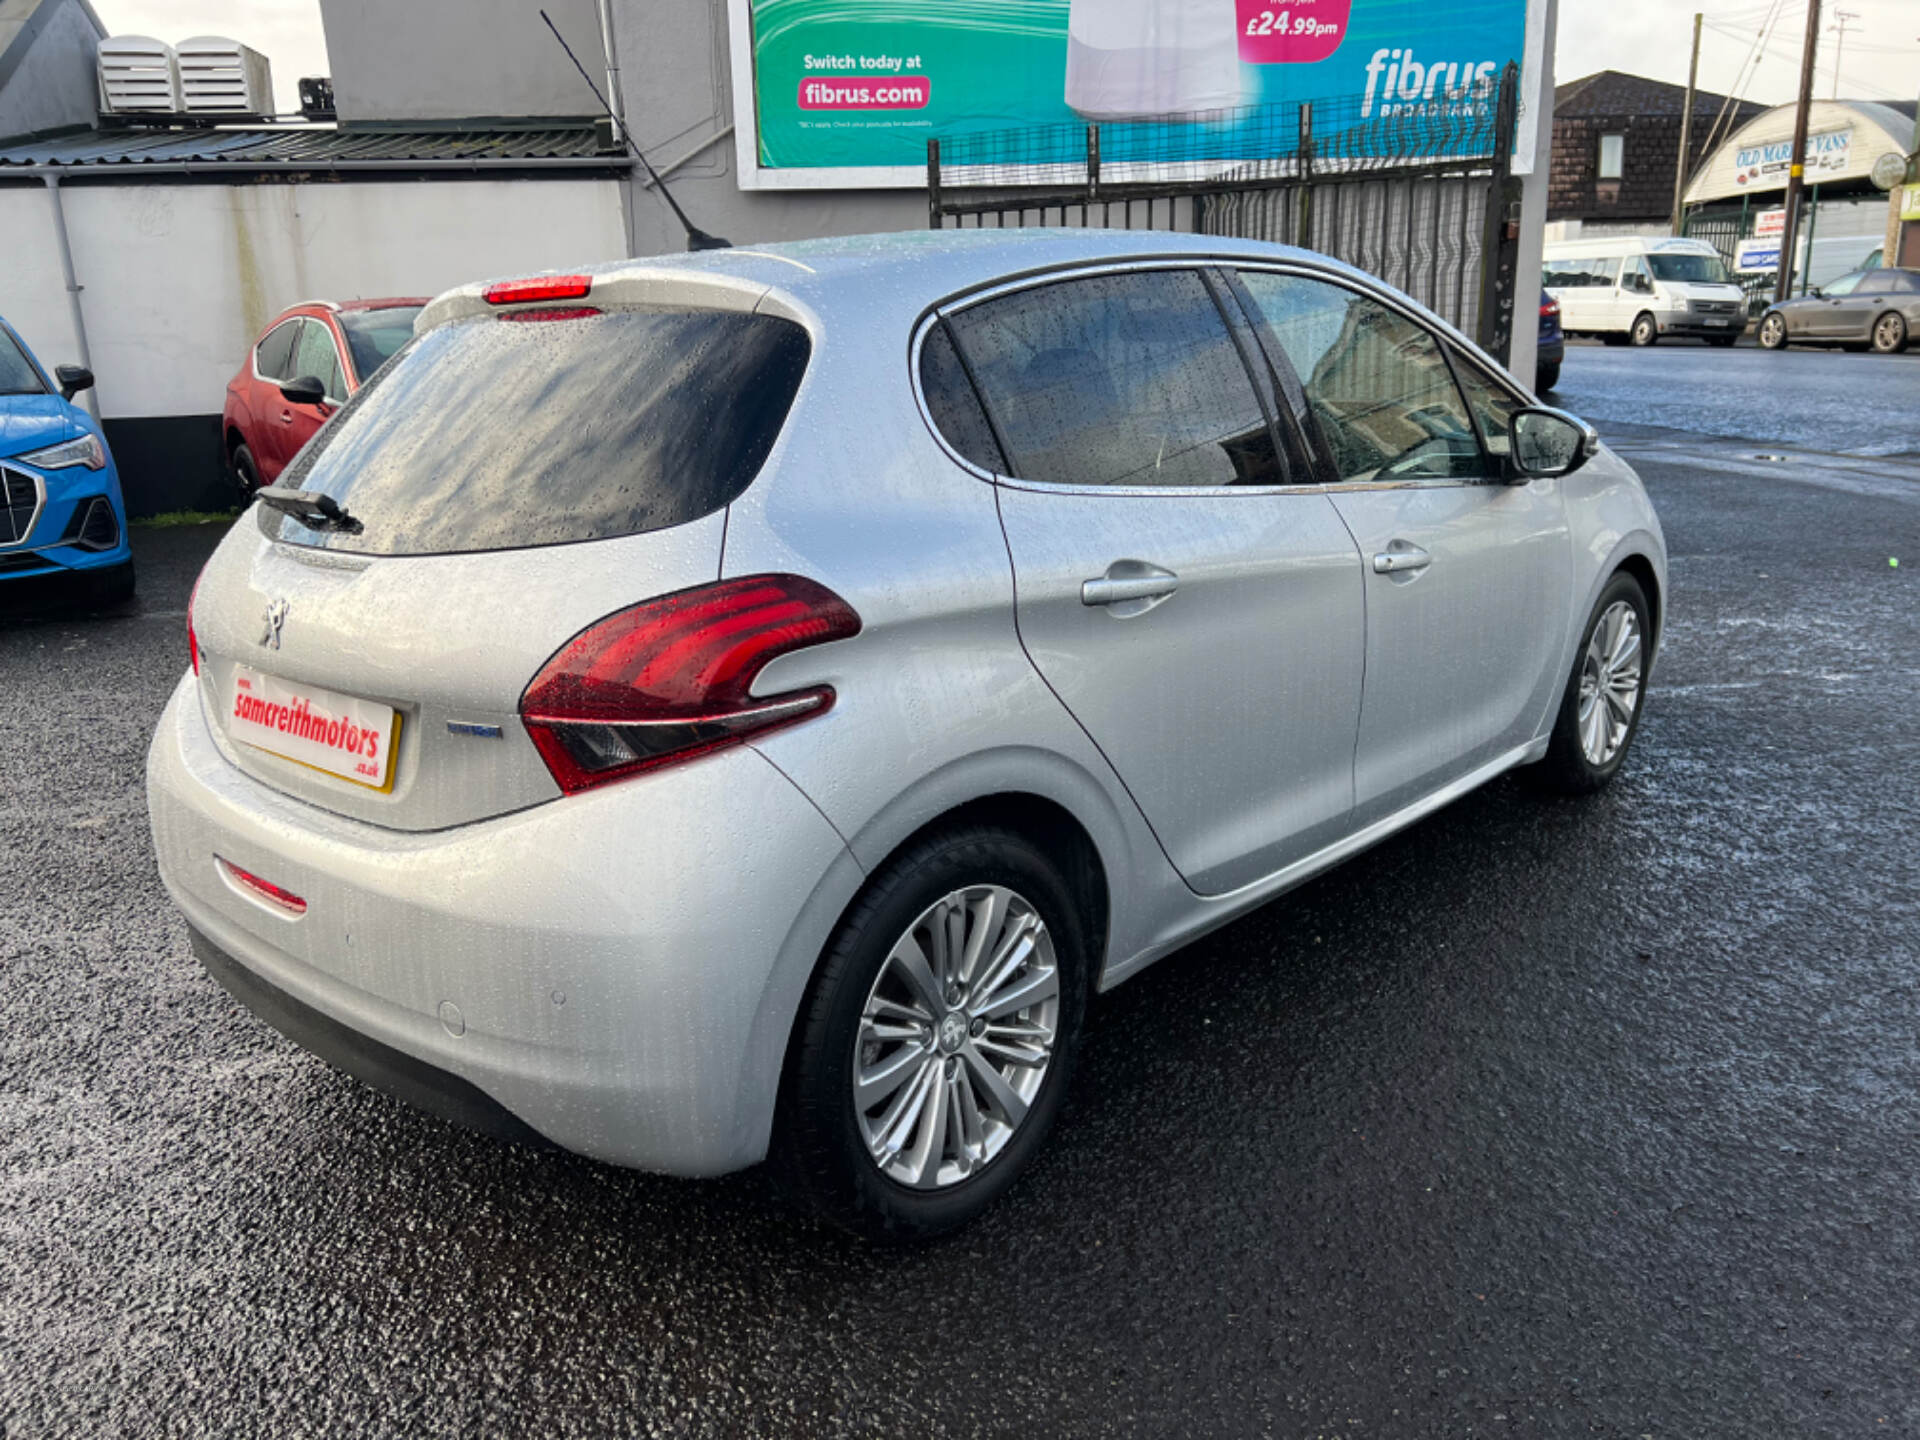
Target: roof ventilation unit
{"x":223,"y":77}
{"x":138,"y":76}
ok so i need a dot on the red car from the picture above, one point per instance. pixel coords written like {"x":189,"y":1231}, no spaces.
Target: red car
{"x":337,"y":345}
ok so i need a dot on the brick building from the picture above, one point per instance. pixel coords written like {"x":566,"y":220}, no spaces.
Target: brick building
{"x":1615,"y":141}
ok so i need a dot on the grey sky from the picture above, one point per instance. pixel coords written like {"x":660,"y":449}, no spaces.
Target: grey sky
{"x":1881,"y":58}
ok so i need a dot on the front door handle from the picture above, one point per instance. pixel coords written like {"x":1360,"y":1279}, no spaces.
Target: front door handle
{"x":1129,"y":588}
{"x":1400,"y":557}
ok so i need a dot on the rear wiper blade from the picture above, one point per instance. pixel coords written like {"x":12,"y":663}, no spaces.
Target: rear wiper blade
{"x":311,"y":508}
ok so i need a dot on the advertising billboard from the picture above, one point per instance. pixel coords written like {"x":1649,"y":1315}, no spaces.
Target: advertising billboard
{"x":848,"y":92}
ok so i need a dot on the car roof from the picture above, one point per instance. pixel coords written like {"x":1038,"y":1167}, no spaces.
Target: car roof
{"x":1629,"y":245}
{"x":942,"y":262}
{"x":892,"y":278}
{"x":392,"y":302}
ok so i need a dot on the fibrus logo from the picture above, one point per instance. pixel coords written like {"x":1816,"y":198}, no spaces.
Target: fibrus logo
{"x":867,"y":92}
{"x":1409,"y":85}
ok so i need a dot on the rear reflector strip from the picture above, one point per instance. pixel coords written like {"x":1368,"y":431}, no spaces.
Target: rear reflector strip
{"x":254,"y":888}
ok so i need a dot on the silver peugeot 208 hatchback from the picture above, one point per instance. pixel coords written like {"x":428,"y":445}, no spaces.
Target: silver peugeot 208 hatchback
{"x":742,"y":705}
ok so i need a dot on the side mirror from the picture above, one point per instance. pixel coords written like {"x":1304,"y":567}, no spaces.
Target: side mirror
{"x":73,"y":379}
{"x":305,"y":390}
{"x":1543,"y":443}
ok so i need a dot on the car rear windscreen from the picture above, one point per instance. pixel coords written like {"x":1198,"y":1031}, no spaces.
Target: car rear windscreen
{"x":544,"y":427}
{"x":374,"y":336}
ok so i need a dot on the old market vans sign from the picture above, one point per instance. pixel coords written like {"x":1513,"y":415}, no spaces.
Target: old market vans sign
{"x":848,"y":92}
{"x":1765,"y":167}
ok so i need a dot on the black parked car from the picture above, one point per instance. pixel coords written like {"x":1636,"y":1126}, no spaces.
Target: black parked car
{"x":1880,"y":308}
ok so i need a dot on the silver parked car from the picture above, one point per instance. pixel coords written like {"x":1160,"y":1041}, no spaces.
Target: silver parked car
{"x":744,"y":704}
{"x":1878,"y":308}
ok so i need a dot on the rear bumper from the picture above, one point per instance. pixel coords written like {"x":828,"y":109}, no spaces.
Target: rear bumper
{"x":616,"y":972}
{"x":424,"y":1086}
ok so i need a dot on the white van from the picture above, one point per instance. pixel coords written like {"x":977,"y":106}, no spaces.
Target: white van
{"x":1639,"y":289}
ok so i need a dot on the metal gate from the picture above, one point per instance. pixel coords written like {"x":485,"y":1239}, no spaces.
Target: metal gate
{"x":1724,"y":227}
{"x":1419,"y":194}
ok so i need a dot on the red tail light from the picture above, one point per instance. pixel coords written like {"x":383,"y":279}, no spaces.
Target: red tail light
{"x":1550,"y":309}
{"x":670,"y":679}
{"x":193,"y":640}
{"x":538,"y":287}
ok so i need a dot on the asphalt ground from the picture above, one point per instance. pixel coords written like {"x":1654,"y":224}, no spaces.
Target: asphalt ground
{"x":1546,"y":1117}
{"x":1856,"y":402}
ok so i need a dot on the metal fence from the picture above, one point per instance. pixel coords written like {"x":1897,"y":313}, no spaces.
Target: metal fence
{"x":1725,"y":227}
{"x":1418,"y":194}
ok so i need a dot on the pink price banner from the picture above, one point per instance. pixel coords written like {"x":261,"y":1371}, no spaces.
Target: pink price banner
{"x":1291,"y":32}
{"x":866,"y":92}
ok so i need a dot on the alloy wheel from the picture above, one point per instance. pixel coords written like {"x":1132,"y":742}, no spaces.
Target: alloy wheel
{"x":956,"y":1037}
{"x":1890,"y":334}
{"x":1773,"y":332}
{"x":1610,"y":683}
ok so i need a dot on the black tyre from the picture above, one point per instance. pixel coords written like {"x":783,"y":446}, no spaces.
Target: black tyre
{"x":1890,"y":333}
{"x":1645,"y":331}
{"x":1604,"y":696}
{"x":958,"y":979}
{"x":1773,"y":332}
{"x":246,"y":474}
{"x":1547,"y":376}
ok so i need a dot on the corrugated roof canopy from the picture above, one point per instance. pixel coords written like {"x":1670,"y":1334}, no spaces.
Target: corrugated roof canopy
{"x":1844,"y":138}
{"x":316,"y":147}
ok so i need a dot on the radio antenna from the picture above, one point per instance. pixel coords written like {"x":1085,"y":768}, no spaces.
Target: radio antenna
{"x":697,"y":239}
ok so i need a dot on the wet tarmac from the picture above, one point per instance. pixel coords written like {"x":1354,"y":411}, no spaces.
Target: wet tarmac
{"x":1544,"y":1118}
{"x":1829,"y":399}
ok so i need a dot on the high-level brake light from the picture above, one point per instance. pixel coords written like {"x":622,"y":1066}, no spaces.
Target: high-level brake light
{"x":538,"y":287}
{"x":664,"y":681}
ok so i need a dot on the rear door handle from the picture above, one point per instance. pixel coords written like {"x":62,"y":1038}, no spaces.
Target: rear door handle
{"x":1130,"y":587}
{"x":1392,"y":561}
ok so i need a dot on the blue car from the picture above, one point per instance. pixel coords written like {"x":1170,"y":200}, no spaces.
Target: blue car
{"x":1553,"y":345}
{"x":63,"y":525}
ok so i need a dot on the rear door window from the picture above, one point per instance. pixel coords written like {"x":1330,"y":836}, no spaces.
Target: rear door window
{"x":1130,"y":379}
{"x":1377,"y":383}
{"x":545,"y":427}
{"x":274,"y":355}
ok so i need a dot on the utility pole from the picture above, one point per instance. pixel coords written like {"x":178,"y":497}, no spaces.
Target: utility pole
{"x":1796,"y":176}
{"x":1841,"y":19}
{"x":1680,"y":166}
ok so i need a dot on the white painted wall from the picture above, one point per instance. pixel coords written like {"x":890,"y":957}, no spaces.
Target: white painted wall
{"x":177,"y":280}
{"x":32,"y":294}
